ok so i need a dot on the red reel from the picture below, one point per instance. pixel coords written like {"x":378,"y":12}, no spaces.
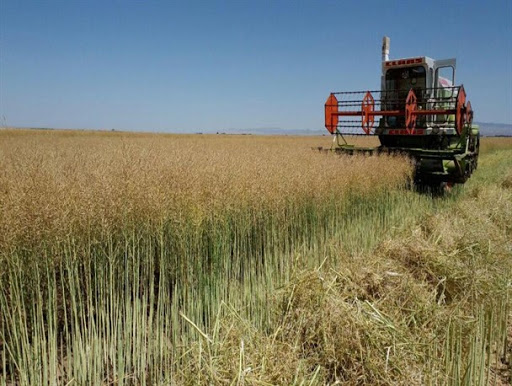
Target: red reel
{"x":331,"y":119}
{"x":460,"y":110}
{"x":410,"y":108}
{"x":469,"y":114}
{"x":367,"y":109}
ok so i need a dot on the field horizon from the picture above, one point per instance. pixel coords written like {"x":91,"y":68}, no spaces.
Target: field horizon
{"x":487,"y":129}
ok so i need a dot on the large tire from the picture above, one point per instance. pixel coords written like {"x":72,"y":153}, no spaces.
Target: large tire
{"x":435,"y":189}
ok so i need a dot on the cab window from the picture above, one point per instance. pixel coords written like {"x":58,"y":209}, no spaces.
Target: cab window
{"x":406,"y":78}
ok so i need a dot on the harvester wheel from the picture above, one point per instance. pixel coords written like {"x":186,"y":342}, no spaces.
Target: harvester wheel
{"x":434,"y":188}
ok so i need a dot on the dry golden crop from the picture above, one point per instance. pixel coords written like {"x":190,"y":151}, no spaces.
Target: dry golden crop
{"x":57,"y":184}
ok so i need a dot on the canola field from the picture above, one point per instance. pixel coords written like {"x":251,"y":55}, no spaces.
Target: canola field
{"x":152,"y":259}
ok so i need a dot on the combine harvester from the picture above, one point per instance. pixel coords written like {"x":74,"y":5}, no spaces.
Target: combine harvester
{"x":421,"y":114}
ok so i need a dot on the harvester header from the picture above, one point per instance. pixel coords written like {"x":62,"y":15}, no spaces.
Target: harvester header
{"x":418,"y":111}
{"x":451,"y":107}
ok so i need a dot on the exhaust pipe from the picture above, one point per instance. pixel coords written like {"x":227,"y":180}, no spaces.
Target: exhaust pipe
{"x":385,"y":48}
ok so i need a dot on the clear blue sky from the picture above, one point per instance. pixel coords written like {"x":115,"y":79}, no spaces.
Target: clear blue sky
{"x":218,"y":65}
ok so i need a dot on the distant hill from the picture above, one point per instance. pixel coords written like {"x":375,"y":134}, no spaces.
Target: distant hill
{"x":495,"y":129}
{"x":486,"y":129}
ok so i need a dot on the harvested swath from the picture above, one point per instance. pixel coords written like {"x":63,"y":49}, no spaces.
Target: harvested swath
{"x":430,"y":307}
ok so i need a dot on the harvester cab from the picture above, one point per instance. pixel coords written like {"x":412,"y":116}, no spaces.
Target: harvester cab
{"x":419,"y":111}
